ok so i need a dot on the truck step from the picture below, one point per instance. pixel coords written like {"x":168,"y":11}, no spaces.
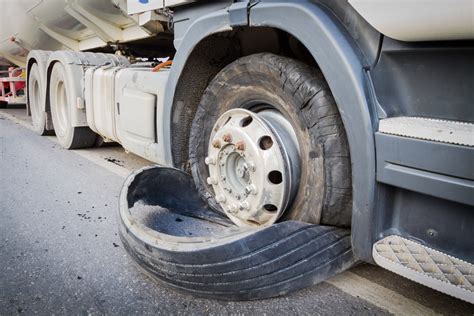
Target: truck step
{"x":178,"y":240}
{"x":426,"y":266}
{"x":452,"y":132}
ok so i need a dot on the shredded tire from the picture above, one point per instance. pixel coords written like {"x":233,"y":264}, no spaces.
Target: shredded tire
{"x":228,"y":263}
{"x":301,"y":93}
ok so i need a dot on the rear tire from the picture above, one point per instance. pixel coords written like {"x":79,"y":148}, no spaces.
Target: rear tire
{"x":301,"y":94}
{"x":36,"y":101}
{"x":62,"y":96}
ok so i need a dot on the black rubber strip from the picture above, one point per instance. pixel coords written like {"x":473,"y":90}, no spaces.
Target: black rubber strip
{"x":229,"y":262}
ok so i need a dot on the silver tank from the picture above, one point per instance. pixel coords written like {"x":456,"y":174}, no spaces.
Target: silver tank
{"x":63,"y":24}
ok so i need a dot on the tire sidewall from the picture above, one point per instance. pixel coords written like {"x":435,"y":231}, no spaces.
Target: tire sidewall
{"x":38,"y":114}
{"x":58,"y":75}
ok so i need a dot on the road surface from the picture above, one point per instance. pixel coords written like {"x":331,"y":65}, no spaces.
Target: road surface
{"x":60,"y":253}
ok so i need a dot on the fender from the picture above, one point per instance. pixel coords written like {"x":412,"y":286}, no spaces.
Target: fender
{"x":75,"y":64}
{"x":340,"y":62}
{"x":206,"y":25}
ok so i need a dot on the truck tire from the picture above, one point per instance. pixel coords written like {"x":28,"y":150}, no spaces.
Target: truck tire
{"x":36,"y":100}
{"x":62,"y":98}
{"x":194,"y":250}
{"x":301,"y":94}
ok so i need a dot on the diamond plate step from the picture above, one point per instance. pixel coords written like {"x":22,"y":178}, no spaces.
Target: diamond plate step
{"x":426,"y":266}
{"x":443,"y":131}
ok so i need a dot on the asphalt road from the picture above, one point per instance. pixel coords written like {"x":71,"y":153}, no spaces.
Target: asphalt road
{"x":60,"y":253}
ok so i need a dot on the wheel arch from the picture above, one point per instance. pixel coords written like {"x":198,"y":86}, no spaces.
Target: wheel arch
{"x":68,"y":60}
{"x":75,"y":64}
{"x":342,"y":65}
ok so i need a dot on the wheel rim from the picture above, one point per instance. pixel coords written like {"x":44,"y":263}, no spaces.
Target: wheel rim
{"x":254,"y":165}
{"x":61,"y":108}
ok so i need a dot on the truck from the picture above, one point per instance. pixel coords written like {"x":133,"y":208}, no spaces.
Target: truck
{"x":292,"y":139}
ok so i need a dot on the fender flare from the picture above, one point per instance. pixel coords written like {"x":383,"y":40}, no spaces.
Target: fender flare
{"x":341,"y":64}
{"x":204,"y":26}
{"x":75,"y":64}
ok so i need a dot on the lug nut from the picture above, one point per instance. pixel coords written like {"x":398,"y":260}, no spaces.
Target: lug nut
{"x":211,"y":181}
{"x":251,"y":189}
{"x":251,"y":166}
{"x":216,"y":143}
{"x":227,"y":138}
{"x":232,"y":209}
{"x":210,"y":161}
{"x":244,"y":206}
{"x":220,"y":199}
{"x":240,"y":145}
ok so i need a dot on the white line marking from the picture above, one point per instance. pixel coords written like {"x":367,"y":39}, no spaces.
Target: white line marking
{"x":378,"y":295}
{"x":95,"y":155}
{"x":99,"y":160}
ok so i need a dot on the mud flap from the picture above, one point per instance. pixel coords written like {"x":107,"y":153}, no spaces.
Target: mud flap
{"x":177,"y":239}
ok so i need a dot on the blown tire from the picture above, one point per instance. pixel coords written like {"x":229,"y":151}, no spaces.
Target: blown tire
{"x":177,"y":240}
{"x":301,"y":94}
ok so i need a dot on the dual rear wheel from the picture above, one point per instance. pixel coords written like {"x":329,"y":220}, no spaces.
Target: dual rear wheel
{"x":62,"y":95}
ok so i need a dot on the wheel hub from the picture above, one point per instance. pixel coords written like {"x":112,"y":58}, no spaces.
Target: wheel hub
{"x":253,"y":165}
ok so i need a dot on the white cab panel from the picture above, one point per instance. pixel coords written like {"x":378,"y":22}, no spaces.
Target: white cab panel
{"x":419,"y":20}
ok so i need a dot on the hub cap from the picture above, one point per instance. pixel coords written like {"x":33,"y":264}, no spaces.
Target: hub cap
{"x":253,"y":165}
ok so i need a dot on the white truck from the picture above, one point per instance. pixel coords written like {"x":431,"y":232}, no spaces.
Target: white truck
{"x":293,"y":138}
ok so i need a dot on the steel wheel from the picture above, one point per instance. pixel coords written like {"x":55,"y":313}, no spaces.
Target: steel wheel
{"x":254,"y":165}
